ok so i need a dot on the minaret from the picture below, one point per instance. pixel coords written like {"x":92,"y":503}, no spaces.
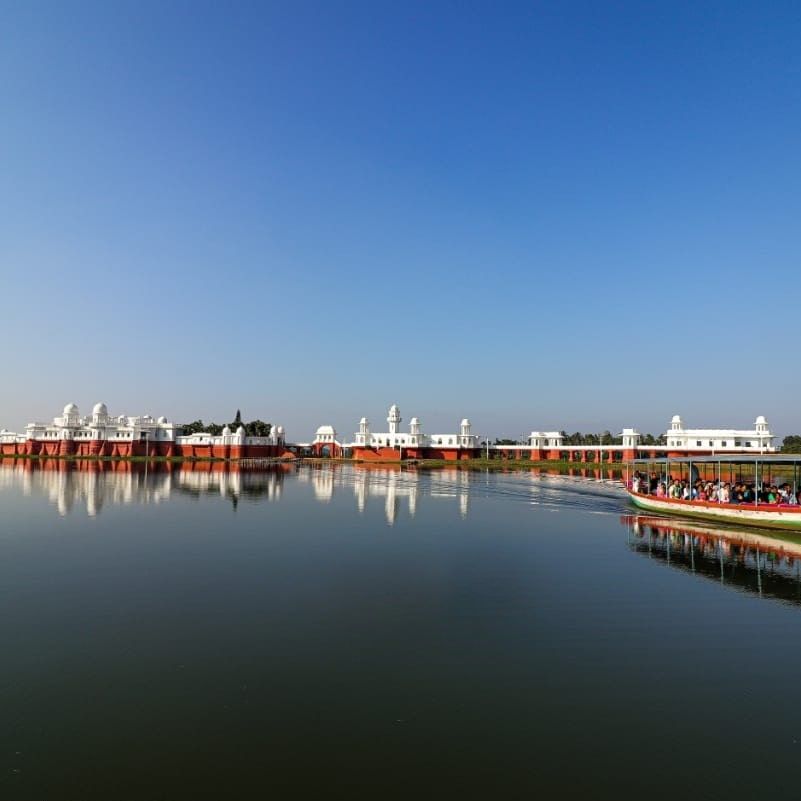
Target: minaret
{"x":394,"y":419}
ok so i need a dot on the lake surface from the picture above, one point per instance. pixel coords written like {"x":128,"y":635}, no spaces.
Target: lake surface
{"x":343,"y":632}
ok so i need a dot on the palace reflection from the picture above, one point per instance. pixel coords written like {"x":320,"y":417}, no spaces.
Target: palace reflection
{"x":391,"y":485}
{"x":93,"y":484}
{"x":753,"y":562}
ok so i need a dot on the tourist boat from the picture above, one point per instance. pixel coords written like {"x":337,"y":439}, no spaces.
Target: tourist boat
{"x":758,"y":470}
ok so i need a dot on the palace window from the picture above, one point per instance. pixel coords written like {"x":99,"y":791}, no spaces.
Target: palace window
{"x":698,"y":443}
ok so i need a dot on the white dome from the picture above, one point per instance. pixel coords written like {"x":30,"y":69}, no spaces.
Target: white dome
{"x":761,"y":420}
{"x":676,"y":418}
{"x":280,"y":429}
{"x":326,"y":430}
{"x":362,"y":421}
{"x":162,"y":420}
{"x":100,"y":408}
{"x":70,"y":408}
{"x":465,"y":422}
{"x":414,"y":421}
{"x":240,"y":432}
{"x":226,"y":431}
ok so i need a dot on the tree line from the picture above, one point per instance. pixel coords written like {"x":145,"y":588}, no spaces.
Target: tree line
{"x":255,"y":428}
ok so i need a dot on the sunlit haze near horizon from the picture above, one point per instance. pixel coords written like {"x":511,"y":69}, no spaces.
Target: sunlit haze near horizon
{"x":576,"y":216}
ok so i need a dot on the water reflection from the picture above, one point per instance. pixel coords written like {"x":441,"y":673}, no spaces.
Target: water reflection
{"x":391,"y":484}
{"x":763,"y":563}
{"x":766,"y":564}
{"x":94,"y":484}
{"x":91,"y":484}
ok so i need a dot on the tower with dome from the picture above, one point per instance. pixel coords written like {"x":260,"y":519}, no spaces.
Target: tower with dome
{"x":414,"y":444}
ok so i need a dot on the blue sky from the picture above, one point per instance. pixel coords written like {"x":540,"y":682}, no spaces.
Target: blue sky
{"x":539,"y":215}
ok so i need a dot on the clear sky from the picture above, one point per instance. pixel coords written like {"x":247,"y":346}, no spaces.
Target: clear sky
{"x":538,"y":215}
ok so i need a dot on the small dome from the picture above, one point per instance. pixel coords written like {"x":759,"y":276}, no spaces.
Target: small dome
{"x":326,"y":430}
{"x":465,"y":422}
{"x":414,"y":421}
{"x":760,"y":421}
{"x":676,"y":418}
{"x":70,"y":408}
{"x":240,"y":432}
{"x":162,"y":420}
{"x":226,"y":431}
{"x":363,"y":421}
{"x":279,"y":429}
{"x":100,"y":408}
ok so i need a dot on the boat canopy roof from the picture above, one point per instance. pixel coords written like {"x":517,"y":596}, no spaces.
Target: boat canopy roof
{"x":727,"y":458}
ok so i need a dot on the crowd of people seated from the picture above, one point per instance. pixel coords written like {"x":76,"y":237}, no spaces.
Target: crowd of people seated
{"x":715,"y":491}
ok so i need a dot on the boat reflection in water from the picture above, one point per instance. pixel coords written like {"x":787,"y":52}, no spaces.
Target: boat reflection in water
{"x":764,"y":564}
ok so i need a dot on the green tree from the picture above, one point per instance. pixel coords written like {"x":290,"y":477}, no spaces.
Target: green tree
{"x":194,"y":427}
{"x":258,"y":428}
{"x":791,"y":444}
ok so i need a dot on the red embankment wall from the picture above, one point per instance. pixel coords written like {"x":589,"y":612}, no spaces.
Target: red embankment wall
{"x":376,"y":455}
{"x":385,"y":454}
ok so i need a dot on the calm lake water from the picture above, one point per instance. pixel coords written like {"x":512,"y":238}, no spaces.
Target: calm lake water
{"x":344,"y":632}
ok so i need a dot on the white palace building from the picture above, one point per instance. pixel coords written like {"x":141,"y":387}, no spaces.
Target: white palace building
{"x":102,"y":434}
{"x":758,"y":439}
{"x":394,"y":443}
